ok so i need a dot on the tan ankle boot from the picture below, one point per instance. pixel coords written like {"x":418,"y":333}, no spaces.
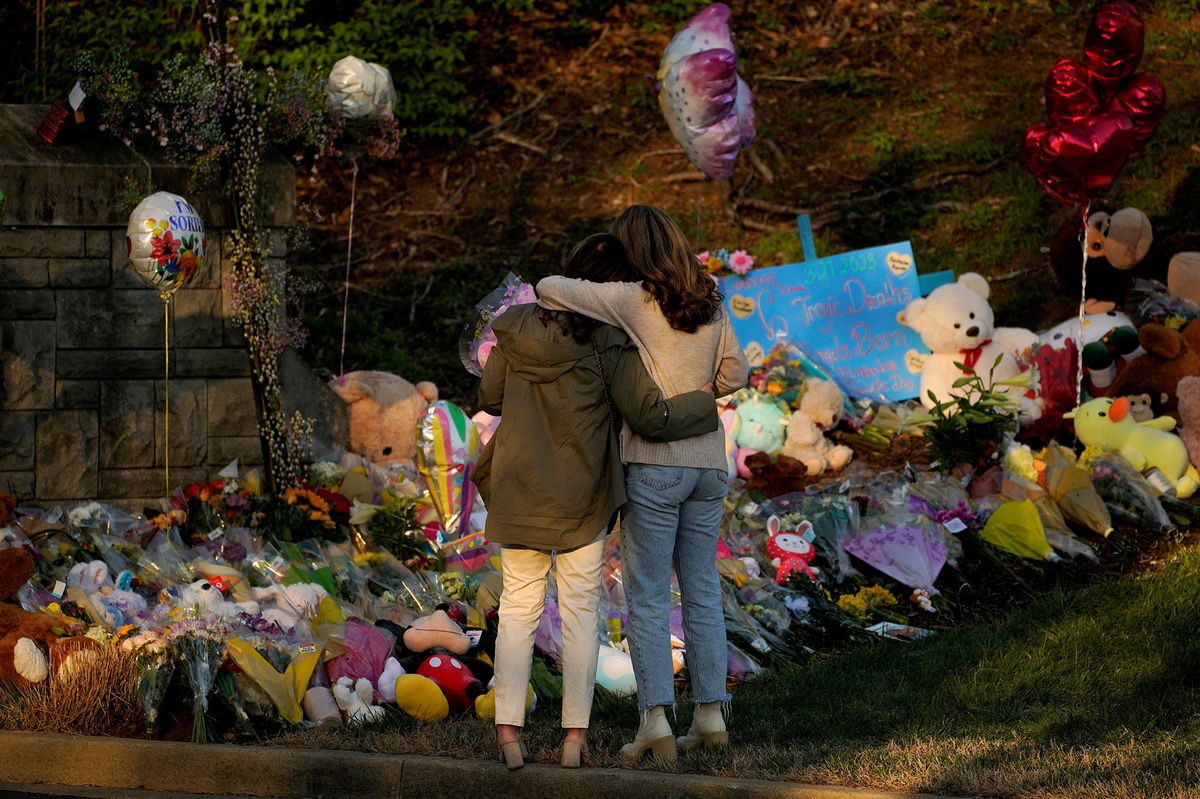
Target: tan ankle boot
{"x":654,"y":733}
{"x":708,"y":727}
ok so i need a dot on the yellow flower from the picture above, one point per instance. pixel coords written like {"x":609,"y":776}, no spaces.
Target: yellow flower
{"x":714,"y":264}
{"x":877,"y":595}
{"x":853,"y":605}
{"x":368,"y":558}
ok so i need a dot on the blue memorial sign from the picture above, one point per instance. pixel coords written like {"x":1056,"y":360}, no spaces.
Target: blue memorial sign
{"x":842,"y":310}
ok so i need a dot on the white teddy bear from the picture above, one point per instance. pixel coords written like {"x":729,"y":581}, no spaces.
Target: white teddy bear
{"x":820,"y":409}
{"x":204,"y":598}
{"x":285,"y":605}
{"x":354,"y":698}
{"x":955,"y":322}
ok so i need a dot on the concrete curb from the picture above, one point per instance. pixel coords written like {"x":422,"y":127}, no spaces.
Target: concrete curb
{"x":128,"y":764}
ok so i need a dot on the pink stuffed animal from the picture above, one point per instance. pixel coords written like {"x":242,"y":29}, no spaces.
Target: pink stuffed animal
{"x":791,"y":550}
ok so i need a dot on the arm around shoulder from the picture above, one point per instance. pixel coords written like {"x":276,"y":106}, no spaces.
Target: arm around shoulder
{"x":603,"y":301}
{"x":641,"y":404}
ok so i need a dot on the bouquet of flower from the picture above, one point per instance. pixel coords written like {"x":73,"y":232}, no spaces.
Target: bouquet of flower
{"x":303,"y":512}
{"x":872,"y":600}
{"x":477,"y":337}
{"x":200,"y":644}
{"x":724,"y":262}
{"x":1126,"y":493}
{"x":155,"y":671}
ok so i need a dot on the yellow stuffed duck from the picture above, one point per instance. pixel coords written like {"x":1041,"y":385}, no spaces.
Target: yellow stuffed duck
{"x":1107,"y":424}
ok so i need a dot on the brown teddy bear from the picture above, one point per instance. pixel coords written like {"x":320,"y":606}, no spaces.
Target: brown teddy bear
{"x":1188,"y":394}
{"x":384,"y":412}
{"x":27,"y":638}
{"x":1170,"y":356}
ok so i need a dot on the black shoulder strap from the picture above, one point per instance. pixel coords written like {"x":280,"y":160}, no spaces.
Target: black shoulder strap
{"x":612,"y":411}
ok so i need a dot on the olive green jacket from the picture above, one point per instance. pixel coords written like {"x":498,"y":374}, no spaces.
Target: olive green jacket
{"x":551,"y":475}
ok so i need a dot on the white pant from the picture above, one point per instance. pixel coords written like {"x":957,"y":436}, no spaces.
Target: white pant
{"x":521,"y":602}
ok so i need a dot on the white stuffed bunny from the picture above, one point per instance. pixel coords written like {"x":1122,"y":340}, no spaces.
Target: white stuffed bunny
{"x":355,"y":700}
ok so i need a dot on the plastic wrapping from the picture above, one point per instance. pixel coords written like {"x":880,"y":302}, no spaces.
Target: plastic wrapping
{"x":834,"y":518}
{"x":1073,"y":491}
{"x":478,"y":338}
{"x":1153,"y":302}
{"x":1016,"y":527}
{"x":908,"y":548}
{"x":1127,"y":494}
{"x":284,"y":686}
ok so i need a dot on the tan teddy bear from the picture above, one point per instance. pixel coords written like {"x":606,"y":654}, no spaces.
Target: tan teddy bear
{"x":384,"y":412}
{"x":820,"y":409}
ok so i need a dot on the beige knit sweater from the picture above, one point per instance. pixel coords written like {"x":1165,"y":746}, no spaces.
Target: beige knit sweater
{"x":677,"y":361}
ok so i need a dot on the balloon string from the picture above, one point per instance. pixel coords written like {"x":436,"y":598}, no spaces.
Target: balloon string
{"x":1082,"y":305}
{"x":346,"y":282}
{"x":167,"y":394}
{"x":699,"y":198}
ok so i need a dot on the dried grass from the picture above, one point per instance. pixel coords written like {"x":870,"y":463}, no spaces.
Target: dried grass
{"x":93,"y":696}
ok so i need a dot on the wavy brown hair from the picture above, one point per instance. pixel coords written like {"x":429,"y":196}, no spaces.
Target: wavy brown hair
{"x":659,"y":252}
{"x":599,"y":258}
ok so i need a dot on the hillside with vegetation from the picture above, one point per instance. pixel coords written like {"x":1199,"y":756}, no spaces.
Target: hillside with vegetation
{"x":530,"y":124}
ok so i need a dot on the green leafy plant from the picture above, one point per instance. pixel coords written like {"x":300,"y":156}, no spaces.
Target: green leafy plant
{"x":963,"y":427}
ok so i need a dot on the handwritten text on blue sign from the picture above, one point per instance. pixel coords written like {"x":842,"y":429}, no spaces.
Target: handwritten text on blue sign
{"x":842,"y":310}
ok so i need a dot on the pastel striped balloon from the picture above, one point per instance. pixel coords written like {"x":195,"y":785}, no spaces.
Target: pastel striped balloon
{"x":709,"y":108}
{"x":447,"y":449}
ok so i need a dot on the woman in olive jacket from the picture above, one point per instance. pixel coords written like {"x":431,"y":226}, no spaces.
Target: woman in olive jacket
{"x":552,"y":479}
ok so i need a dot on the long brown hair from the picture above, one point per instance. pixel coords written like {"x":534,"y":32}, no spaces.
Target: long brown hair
{"x":599,"y":258}
{"x":660,"y":254}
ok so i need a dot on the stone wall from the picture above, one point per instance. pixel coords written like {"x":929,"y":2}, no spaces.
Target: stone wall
{"x":82,"y":376}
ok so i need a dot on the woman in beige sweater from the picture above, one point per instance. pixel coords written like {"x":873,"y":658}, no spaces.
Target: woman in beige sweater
{"x":675,"y":490}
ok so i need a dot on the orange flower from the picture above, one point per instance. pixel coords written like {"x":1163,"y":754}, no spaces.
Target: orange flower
{"x":188,"y":263}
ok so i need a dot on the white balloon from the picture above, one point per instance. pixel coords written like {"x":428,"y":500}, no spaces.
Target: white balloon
{"x":166,"y":242}
{"x":360,"y":89}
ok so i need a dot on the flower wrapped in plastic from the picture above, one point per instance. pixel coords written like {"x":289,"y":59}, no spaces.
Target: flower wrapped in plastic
{"x":155,"y":671}
{"x":833,"y":517}
{"x":1127,"y":493}
{"x":200,"y":645}
{"x":280,"y":664}
{"x":392,"y":581}
{"x":907,"y":548}
{"x":477,"y":337}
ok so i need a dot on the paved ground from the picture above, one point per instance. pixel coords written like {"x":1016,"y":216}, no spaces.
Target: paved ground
{"x":138,"y":769}
{"x":12,"y":790}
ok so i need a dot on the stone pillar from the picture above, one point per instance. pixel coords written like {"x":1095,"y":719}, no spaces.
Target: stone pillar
{"x":83,"y":382}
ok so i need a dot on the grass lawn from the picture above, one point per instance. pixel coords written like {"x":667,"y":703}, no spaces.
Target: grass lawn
{"x":1094,"y":693}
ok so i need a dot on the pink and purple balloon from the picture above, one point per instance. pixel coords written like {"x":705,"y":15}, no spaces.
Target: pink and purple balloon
{"x":709,"y":108}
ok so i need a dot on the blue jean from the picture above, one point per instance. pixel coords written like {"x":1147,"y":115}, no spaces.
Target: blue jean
{"x":671,"y":518}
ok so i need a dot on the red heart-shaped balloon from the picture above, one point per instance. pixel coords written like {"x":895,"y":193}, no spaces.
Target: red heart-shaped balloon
{"x":1112,"y":48}
{"x":1069,"y":93}
{"x":1072,"y":162}
{"x":1142,"y":98}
